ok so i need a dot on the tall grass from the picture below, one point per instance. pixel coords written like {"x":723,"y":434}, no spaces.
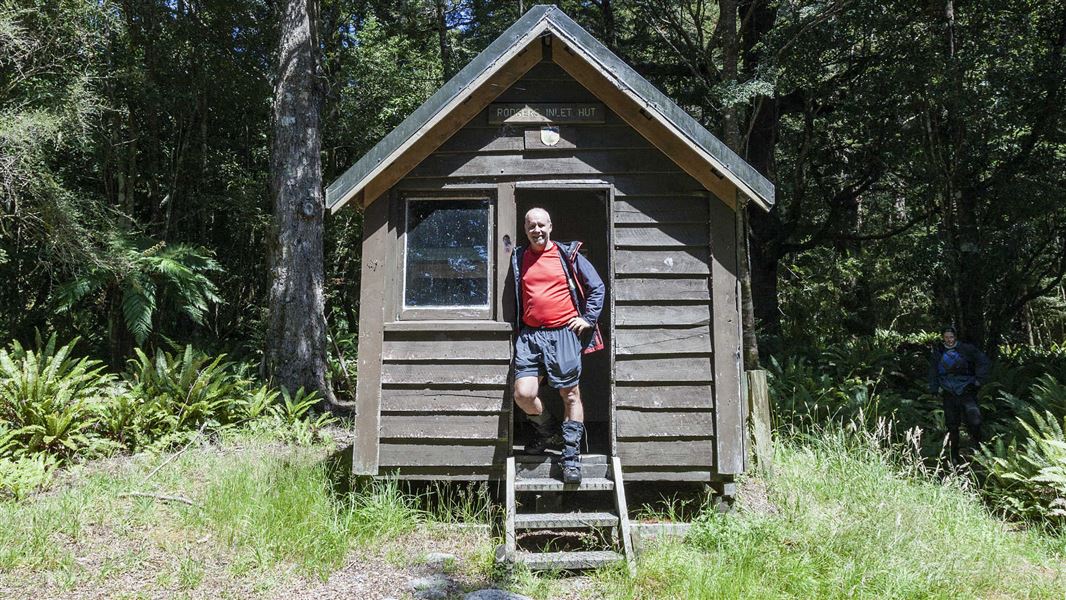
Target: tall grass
{"x":273,"y":509}
{"x":852,"y":521}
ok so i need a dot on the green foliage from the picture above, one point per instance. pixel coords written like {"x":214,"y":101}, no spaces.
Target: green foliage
{"x":49,"y":397}
{"x":148,"y":275}
{"x":395,"y":75}
{"x":452,"y":502}
{"x":860,"y":380}
{"x":380,"y":509}
{"x":1025,"y":477}
{"x":280,"y":507}
{"x":55,"y":408}
{"x":276,"y":508}
{"x":882,"y":378}
{"x":23,"y":475}
{"x":287,"y":417}
{"x":172,"y":393}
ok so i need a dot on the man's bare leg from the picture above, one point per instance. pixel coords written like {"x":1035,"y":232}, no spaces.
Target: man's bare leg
{"x":573,"y":409}
{"x":525,"y":395}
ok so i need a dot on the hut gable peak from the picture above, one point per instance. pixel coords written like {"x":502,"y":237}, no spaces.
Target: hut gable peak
{"x":502,"y":63}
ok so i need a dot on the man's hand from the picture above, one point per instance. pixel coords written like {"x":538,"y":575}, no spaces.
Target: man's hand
{"x":578,"y":325}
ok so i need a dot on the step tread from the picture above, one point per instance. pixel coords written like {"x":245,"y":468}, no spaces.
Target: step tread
{"x":548,"y":484}
{"x":589,"y":459}
{"x":565,"y":520}
{"x":554,"y":470}
{"x":588,"y":559}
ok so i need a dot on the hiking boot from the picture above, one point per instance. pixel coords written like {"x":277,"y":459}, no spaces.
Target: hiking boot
{"x":573,"y":431}
{"x":572,"y":474}
{"x":541,"y":442}
{"x":545,"y":434}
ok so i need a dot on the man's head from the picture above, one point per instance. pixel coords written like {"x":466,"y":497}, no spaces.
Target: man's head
{"x":538,"y":228}
{"x":949,"y":336}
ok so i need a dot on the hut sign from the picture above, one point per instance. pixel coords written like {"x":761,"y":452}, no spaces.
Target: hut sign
{"x":535,"y":114}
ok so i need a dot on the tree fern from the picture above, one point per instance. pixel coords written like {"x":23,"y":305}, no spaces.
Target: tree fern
{"x":148,"y":277}
{"x":138,"y":304}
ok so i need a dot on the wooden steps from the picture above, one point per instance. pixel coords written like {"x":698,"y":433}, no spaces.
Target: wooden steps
{"x":527,"y":466}
{"x":569,"y":561}
{"x":598,"y":504}
{"x":545,"y":484}
{"x":567,"y":520}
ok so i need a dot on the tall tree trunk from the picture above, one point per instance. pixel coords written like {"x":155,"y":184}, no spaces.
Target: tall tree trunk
{"x":441,"y":9}
{"x":296,"y":340}
{"x":727,"y":10}
{"x":119,"y":340}
{"x":764,"y":229}
{"x":610,"y":32}
{"x":959,"y":223}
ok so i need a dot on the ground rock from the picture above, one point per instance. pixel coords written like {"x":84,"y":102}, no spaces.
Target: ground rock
{"x":434,"y":587}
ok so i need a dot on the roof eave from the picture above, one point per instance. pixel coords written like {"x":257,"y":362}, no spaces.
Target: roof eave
{"x":719,"y":156}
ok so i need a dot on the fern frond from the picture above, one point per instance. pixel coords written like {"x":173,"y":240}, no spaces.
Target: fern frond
{"x":71,"y":292}
{"x":138,"y":304}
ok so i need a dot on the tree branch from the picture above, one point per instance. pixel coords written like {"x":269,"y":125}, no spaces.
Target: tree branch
{"x":163,"y":497}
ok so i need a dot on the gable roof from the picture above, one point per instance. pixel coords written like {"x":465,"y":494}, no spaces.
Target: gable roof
{"x":537,"y":21}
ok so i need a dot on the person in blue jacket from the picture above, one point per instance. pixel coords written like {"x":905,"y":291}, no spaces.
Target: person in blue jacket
{"x":957,"y":370}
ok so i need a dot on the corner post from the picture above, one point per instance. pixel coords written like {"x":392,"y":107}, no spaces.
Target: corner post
{"x":372,"y":305}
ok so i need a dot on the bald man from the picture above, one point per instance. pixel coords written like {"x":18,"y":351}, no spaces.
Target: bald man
{"x":559,"y":298}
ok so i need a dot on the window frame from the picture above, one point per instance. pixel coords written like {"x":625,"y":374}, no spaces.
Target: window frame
{"x":427,"y":313}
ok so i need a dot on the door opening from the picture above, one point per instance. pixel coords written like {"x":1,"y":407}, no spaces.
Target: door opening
{"x":577,"y":214}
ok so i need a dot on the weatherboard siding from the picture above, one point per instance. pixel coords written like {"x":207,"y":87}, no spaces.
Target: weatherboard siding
{"x":664,"y":394}
{"x":445,"y":405}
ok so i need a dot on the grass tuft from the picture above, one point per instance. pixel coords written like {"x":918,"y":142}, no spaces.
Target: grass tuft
{"x":282,"y":508}
{"x":381,"y":510}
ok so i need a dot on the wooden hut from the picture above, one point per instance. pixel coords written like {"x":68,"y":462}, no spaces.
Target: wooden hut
{"x":548,"y":116}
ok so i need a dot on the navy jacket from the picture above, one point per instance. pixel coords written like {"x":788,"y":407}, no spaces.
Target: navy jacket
{"x":586,"y":289}
{"x":973,"y":372}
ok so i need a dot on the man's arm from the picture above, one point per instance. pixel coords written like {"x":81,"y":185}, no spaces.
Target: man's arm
{"x":595,"y":291}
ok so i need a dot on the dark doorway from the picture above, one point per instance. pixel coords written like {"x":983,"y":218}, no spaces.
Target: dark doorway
{"x":579,"y":214}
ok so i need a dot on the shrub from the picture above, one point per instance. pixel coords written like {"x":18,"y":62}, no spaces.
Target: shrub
{"x":1026,"y":477}
{"x":26,"y":474}
{"x":288,"y":416}
{"x":172,"y":393}
{"x":863,"y":379}
{"x":49,"y":398}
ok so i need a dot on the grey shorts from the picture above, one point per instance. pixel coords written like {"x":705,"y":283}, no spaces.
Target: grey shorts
{"x":552,"y":352}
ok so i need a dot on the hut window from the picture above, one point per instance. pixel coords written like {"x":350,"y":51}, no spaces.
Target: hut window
{"x":447,"y":253}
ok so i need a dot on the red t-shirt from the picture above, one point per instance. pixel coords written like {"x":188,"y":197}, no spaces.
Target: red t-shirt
{"x":546,"y":300}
